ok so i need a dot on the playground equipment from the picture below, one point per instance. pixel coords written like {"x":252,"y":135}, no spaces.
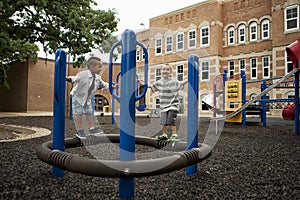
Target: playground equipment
{"x":293,"y":51}
{"x":186,"y":154}
{"x":140,"y":107}
{"x":233,"y":99}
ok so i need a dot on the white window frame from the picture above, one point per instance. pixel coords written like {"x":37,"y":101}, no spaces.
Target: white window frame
{"x":180,"y":41}
{"x":253,"y":31}
{"x":205,"y":65}
{"x":157,"y":102}
{"x":203,"y":106}
{"x":192,"y":34}
{"x":265,"y":62}
{"x":157,"y":74}
{"x":169,"y":44}
{"x":180,"y":72}
{"x":158,"y":45}
{"x":241,"y":41}
{"x":288,"y":64}
{"x":143,"y":55}
{"x":242,"y":64}
{"x":231,"y":68}
{"x":253,"y":66}
{"x":286,"y":20}
{"x":204,"y":34}
{"x":230,"y":34}
{"x":265,"y":29}
{"x":138,"y":57}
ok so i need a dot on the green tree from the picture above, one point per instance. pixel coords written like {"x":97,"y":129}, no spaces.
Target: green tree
{"x":73,"y":25}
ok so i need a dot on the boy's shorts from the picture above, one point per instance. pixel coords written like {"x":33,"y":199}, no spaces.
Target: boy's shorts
{"x":79,"y":109}
{"x":168,"y":118}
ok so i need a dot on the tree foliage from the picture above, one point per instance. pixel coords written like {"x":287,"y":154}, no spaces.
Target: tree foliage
{"x":73,"y":25}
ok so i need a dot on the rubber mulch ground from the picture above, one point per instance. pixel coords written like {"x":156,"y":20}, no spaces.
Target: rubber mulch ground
{"x":248,"y":162}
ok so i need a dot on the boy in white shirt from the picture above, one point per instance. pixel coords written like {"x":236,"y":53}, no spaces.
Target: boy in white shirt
{"x":87,"y":82}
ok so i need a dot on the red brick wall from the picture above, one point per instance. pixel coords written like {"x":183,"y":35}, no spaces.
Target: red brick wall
{"x":15,"y":99}
{"x":40,"y":85}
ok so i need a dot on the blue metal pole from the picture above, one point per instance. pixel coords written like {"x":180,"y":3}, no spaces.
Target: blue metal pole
{"x":263,"y":104}
{"x":224,"y":98}
{"x":127,"y":109}
{"x":113,"y":99}
{"x":59,"y":107}
{"x":112,"y":110}
{"x":192,"y":119}
{"x":244,"y":88}
{"x":297,"y":99}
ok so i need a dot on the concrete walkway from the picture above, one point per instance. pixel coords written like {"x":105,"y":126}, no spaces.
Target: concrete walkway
{"x":15,"y":114}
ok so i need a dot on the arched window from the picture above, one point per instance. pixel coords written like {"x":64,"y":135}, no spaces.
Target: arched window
{"x":242,"y":34}
{"x":265,"y":29}
{"x":230,"y":34}
{"x":253,"y":31}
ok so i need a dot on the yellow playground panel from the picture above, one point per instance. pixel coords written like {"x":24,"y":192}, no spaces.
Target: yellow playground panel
{"x":233,"y":99}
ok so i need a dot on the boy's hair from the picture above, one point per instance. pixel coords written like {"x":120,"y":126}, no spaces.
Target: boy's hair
{"x":167,"y":65}
{"x":92,"y":61}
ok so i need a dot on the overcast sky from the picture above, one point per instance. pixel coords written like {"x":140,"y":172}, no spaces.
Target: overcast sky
{"x":134,"y":12}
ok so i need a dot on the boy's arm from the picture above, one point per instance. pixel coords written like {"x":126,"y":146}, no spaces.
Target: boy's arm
{"x":143,"y":83}
{"x":184,"y":82}
{"x":103,"y":85}
{"x":73,"y":79}
{"x":181,"y":84}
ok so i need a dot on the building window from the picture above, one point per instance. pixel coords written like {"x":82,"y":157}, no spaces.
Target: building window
{"x":242,"y":64}
{"x":181,"y":104}
{"x":291,"y":15}
{"x":204,"y":36}
{"x":180,"y":42}
{"x":231,"y":36}
{"x":242,"y":34}
{"x":253,"y":31}
{"x":157,"y":74}
{"x":138,"y":57}
{"x":182,"y":16}
{"x":290,"y":95}
{"x":158,"y":46}
{"x":231,"y":68}
{"x":169,"y":44}
{"x":204,"y":71}
{"x":193,"y":13}
{"x":252,"y":96}
{"x":266,"y":66}
{"x":189,"y":14}
{"x":204,"y":106}
{"x":143,"y":55}
{"x":180,"y":73}
{"x":288,"y":64}
{"x":192,"y":39}
{"x":157,"y":103}
{"x":265,"y":30}
{"x":253,"y":68}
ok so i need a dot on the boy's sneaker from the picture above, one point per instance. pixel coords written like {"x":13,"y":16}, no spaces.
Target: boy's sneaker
{"x":161,"y":137}
{"x":174,"y":138}
{"x":80,"y":134}
{"x":95,"y":131}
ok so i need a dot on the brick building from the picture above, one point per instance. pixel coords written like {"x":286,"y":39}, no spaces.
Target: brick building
{"x":32,"y":87}
{"x":230,"y":35}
